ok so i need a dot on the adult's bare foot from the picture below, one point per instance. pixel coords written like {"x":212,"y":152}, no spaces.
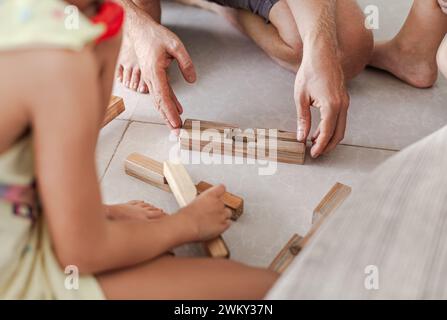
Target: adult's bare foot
{"x":129,"y":71}
{"x":409,"y":63}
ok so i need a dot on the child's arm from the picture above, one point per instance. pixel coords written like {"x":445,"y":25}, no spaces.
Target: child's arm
{"x":65,"y":123}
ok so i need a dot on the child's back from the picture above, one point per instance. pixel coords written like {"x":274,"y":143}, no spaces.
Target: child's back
{"x":29,"y":32}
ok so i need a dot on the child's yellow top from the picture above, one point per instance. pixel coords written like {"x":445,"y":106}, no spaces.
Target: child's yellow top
{"x":28,"y":268}
{"x":48,"y":23}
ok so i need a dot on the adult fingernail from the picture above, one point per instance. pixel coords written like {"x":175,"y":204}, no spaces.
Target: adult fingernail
{"x":127,"y":84}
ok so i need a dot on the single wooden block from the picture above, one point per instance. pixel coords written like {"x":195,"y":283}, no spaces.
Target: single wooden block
{"x":286,"y":255}
{"x":331,"y":201}
{"x":180,"y":183}
{"x":151,"y":171}
{"x":185,"y":192}
{"x":207,"y":136}
{"x":115,"y":108}
{"x":147,"y":170}
{"x":231,"y":201}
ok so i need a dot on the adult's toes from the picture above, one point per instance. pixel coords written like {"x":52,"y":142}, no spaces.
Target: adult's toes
{"x":119,"y":73}
{"x":135,"y":79}
{"x":142,"y":87}
{"x":127,"y":76}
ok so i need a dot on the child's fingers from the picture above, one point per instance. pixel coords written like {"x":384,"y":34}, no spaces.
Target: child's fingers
{"x":217,"y":191}
{"x":227,"y":213}
{"x":227,"y":225}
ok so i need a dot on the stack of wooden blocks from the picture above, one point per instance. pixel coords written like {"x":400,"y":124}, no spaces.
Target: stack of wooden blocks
{"x":231,"y":140}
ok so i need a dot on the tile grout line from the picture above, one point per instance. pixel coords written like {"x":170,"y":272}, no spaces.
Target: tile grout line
{"x":116,"y":149}
{"x":341,"y":144}
{"x":372,"y":148}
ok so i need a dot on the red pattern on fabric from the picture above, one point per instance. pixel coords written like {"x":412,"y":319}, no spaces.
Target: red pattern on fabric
{"x":111,"y":15}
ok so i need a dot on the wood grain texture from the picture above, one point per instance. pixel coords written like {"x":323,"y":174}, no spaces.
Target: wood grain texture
{"x":395,"y":221}
{"x":331,"y":201}
{"x":180,"y":183}
{"x":151,"y":171}
{"x":115,"y":108}
{"x":185,"y":192}
{"x":214,"y":137}
{"x":286,"y":255}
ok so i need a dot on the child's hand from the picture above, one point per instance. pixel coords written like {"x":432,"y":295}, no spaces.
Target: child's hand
{"x":207,"y":214}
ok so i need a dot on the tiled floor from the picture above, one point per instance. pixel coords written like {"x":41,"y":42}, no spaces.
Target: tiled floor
{"x":239,"y":84}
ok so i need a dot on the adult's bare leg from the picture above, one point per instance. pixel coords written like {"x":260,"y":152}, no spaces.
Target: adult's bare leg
{"x":411,"y":54}
{"x":282,"y":41}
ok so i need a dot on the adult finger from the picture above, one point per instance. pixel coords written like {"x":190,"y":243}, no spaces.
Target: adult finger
{"x":303,"y":117}
{"x":179,"y":106}
{"x":179,"y":52}
{"x":339,"y":133}
{"x":161,"y":93}
{"x":327,"y":126}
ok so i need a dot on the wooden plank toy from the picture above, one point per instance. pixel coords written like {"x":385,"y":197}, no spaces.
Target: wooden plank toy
{"x":331,"y":201}
{"x":115,"y":108}
{"x":286,"y":255}
{"x":230,"y":140}
{"x":185,"y":192}
{"x":151,"y":171}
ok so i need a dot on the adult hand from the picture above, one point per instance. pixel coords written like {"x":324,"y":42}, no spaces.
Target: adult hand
{"x":156,"y":47}
{"x":320,"y":83}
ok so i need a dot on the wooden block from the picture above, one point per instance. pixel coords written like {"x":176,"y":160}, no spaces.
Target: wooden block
{"x":236,"y":142}
{"x":331,"y":201}
{"x":115,"y":108}
{"x":151,"y":171}
{"x":185,"y":192}
{"x":231,"y":201}
{"x":336,"y":196}
{"x":286,"y":255}
{"x":147,"y":170}
{"x":180,"y":183}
